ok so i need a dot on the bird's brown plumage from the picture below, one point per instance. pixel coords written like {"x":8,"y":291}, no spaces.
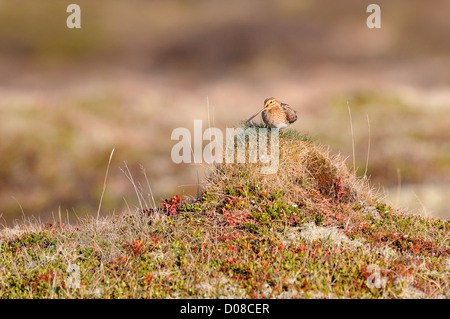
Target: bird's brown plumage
{"x":277,"y":114}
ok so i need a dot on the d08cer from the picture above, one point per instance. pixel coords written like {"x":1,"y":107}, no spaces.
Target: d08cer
{"x":247,"y":308}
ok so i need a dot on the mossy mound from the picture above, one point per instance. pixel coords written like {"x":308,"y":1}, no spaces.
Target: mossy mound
{"x":311,"y":230}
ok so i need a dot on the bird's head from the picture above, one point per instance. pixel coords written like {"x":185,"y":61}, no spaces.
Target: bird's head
{"x":270,"y":102}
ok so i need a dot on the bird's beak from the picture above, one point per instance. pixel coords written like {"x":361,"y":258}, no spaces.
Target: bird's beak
{"x":253,"y":116}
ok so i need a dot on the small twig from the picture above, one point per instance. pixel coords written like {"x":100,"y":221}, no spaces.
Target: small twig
{"x":21,"y":208}
{"x":148,"y":184}
{"x":130,"y":178}
{"x":399,"y":187}
{"x":104,"y":183}
{"x":353,"y":140}
{"x":368,"y":149}
{"x":425,"y":212}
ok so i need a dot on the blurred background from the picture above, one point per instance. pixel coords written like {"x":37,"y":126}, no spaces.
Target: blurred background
{"x":138,"y":69}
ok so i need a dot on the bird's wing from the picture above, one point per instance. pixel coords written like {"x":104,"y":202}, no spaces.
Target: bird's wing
{"x":291,"y":114}
{"x":287,"y":107}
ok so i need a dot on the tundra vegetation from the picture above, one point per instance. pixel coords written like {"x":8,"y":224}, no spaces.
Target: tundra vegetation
{"x":312,"y":230}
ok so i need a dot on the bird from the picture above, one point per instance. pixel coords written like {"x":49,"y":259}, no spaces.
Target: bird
{"x":276,"y":114}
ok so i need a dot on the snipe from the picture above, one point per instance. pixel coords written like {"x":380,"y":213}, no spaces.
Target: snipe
{"x":276,"y":114}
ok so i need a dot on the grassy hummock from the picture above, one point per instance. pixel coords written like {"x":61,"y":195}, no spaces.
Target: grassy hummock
{"x":312,"y":230}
